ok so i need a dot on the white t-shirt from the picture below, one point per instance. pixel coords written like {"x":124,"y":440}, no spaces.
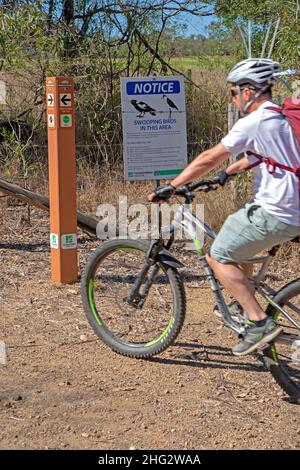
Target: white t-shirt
{"x":269,"y":134}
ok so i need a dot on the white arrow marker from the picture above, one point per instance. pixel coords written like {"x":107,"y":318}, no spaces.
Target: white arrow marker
{"x":65,"y":100}
{"x":50,"y":99}
{"x":51,"y":122}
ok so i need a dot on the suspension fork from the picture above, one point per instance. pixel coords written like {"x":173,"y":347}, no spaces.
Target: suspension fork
{"x":153,"y":274}
{"x":148,"y":284}
{"x":135,"y":298}
{"x":157,"y":253}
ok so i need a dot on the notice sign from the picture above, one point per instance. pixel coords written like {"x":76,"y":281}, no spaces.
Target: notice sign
{"x":154,"y":127}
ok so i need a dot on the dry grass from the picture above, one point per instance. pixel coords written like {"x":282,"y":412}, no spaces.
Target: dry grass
{"x":207,"y":108}
{"x":104,"y":185}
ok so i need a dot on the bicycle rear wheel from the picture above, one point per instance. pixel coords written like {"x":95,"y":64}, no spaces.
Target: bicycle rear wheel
{"x":283,"y":357}
{"x":130,"y":328}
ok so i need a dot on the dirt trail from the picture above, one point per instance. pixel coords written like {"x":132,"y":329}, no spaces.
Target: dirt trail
{"x":63,"y":389}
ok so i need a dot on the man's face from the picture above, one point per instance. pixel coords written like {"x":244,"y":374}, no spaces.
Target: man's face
{"x":246,"y":93}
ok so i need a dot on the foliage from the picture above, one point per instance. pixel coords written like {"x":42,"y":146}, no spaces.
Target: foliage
{"x":97,"y":42}
{"x":233,"y":13}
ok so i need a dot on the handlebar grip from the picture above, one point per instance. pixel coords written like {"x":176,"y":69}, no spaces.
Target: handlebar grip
{"x":160,"y":197}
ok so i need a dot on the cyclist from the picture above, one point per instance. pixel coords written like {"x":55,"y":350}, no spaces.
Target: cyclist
{"x":273,"y":216}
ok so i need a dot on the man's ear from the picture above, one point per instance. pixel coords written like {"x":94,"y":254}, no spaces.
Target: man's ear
{"x":249,"y":94}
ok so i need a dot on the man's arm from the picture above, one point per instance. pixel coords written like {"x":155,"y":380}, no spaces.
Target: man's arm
{"x":238,"y":167}
{"x":203,"y":164}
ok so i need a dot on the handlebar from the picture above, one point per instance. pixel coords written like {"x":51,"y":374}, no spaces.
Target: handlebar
{"x":205,"y":185}
{"x":187,"y":191}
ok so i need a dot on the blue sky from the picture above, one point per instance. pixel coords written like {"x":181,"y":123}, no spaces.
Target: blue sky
{"x":197,"y":25}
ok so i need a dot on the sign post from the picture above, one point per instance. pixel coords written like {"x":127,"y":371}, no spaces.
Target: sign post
{"x":62,"y":178}
{"x":154,"y":127}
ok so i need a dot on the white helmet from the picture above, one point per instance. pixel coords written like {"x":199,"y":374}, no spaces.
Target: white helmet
{"x":256,"y":72}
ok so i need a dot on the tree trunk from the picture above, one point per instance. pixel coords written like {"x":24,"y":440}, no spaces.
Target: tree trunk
{"x":68,"y":20}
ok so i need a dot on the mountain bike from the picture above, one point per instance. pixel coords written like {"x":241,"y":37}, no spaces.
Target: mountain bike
{"x":134,"y":297}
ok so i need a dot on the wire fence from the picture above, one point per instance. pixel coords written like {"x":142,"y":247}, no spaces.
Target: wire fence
{"x":98,"y":120}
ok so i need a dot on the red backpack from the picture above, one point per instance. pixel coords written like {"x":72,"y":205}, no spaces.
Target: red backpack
{"x":291,"y":110}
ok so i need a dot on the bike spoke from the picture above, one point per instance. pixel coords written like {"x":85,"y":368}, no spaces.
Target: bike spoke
{"x":114,"y":281}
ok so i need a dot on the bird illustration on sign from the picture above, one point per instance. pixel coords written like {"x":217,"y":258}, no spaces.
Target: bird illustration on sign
{"x":143,"y":108}
{"x":171,"y":105}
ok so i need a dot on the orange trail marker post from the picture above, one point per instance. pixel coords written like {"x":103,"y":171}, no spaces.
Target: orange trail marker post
{"x":62,"y":178}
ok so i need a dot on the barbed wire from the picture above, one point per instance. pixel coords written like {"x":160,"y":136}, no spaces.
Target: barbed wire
{"x":200,"y":142}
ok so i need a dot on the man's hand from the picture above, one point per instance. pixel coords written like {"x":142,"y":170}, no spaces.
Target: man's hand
{"x":162,"y":193}
{"x":223,"y":177}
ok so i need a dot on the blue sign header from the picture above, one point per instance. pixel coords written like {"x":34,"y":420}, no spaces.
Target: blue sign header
{"x":153,"y":87}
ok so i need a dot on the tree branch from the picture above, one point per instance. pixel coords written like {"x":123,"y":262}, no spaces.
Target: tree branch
{"x":161,"y":60}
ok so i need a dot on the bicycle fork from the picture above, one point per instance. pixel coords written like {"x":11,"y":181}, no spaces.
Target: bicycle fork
{"x":135,"y":298}
{"x":156,"y":254}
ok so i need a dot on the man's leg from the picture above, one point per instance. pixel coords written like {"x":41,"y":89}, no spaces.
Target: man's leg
{"x":261,"y":329}
{"x":237,"y":283}
{"x":244,"y":234}
{"x":248,"y":269}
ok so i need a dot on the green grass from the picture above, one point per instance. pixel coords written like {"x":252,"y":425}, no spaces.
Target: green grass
{"x":204,"y":62}
{"x":184,"y":62}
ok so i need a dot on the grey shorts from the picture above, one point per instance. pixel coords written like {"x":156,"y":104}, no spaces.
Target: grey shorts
{"x":247,"y":232}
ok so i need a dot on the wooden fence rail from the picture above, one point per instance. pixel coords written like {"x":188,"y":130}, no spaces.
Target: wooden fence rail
{"x":85,"y":222}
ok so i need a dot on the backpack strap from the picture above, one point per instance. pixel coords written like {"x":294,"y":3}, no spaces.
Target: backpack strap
{"x":272,"y":164}
{"x":271,"y":167}
{"x":269,"y":162}
{"x":278,"y":109}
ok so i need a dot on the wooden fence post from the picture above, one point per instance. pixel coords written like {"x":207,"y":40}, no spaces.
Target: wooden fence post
{"x":233,"y":116}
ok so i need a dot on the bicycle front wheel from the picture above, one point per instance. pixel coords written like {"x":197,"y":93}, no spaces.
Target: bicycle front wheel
{"x":141,"y":328}
{"x":283,"y":357}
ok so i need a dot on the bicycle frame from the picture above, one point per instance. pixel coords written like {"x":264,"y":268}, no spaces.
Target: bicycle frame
{"x":185,"y":218}
{"x":190,"y":223}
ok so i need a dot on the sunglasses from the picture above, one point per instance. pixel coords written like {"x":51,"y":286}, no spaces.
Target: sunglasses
{"x":235,"y":92}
